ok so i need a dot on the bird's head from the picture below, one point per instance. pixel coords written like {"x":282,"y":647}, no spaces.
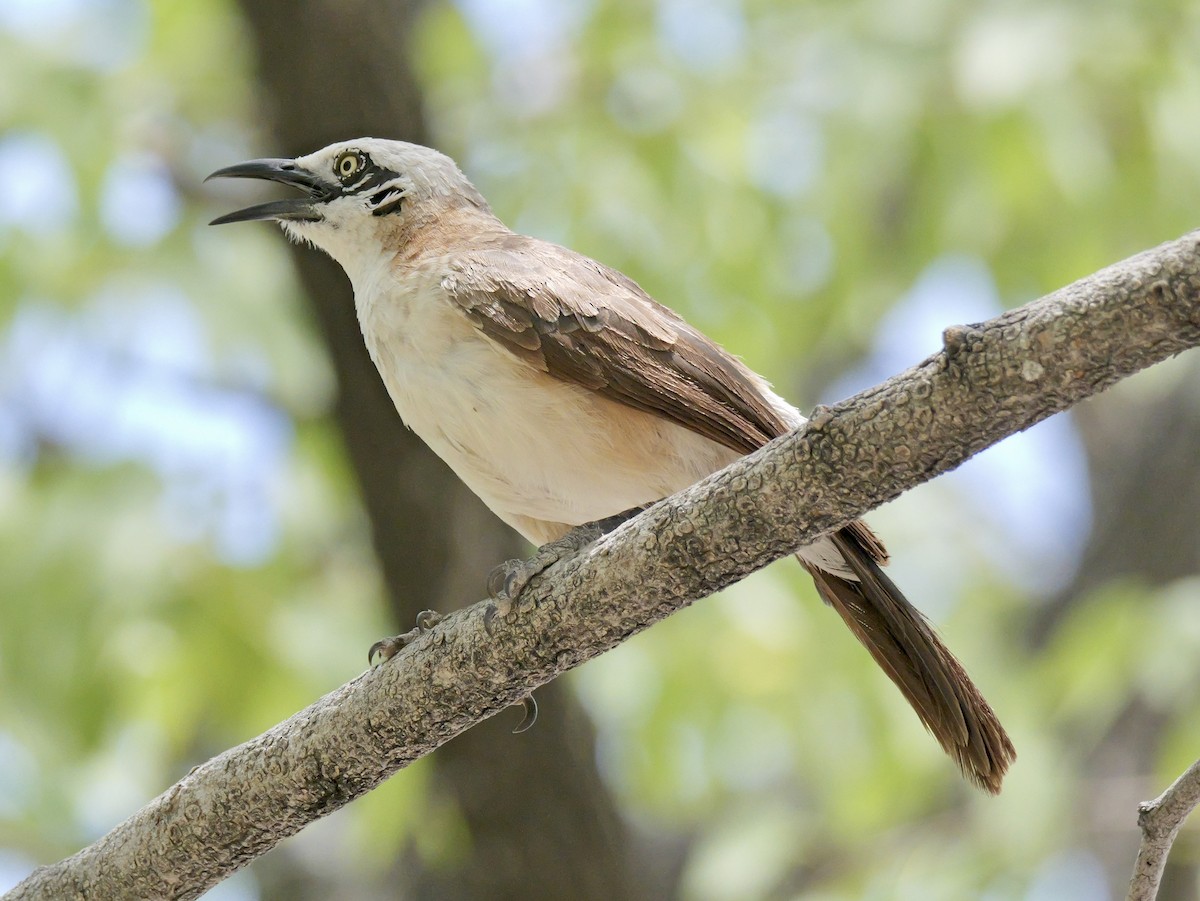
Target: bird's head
{"x":360,"y":197}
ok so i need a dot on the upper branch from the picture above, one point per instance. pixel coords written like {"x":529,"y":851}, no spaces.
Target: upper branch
{"x":990,"y":380}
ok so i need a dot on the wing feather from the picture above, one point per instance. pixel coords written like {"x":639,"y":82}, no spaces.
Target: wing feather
{"x":583,"y":322}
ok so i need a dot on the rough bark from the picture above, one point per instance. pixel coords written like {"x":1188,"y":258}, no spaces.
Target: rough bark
{"x":435,"y":541}
{"x":990,"y":380}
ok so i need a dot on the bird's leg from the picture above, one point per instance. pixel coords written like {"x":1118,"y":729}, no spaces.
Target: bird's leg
{"x":508,"y":580}
{"x":387,"y":648}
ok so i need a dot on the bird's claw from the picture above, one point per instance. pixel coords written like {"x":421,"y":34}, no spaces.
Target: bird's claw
{"x":531,"y":714}
{"x":387,"y":648}
{"x":501,"y":579}
{"x":489,"y":617}
{"x":427,"y":619}
{"x":508,"y":581}
{"x":500,"y":584}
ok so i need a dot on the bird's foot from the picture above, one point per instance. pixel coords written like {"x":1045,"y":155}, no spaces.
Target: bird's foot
{"x":387,"y":648}
{"x":508,"y":580}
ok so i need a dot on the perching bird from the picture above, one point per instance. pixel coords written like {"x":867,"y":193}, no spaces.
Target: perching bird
{"x":562,"y":394}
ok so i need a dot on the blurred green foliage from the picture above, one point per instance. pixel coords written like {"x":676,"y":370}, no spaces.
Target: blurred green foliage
{"x":782,"y":173}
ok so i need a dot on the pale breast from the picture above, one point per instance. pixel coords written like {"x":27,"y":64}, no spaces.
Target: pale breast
{"x":540,"y":452}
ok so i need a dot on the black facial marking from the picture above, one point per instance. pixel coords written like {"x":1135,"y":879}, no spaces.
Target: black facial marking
{"x":387,"y":197}
{"x":387,"y":201}
{"x":375,"y":177}
{"x":371,"y":179}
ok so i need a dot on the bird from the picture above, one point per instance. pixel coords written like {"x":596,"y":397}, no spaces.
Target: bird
{"x":568,"y":399}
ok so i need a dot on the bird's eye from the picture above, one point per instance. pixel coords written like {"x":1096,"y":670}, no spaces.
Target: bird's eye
{"x":348,"y":164}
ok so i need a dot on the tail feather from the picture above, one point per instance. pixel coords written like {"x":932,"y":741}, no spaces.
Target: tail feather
{"x":903,"y":643}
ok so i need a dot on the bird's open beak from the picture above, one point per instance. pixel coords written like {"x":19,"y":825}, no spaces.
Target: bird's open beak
{"x":302,"y":209}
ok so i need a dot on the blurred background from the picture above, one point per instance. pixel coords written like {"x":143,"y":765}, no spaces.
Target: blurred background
{"x":209,"y":510}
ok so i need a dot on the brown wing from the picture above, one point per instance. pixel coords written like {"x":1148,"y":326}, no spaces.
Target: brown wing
{"x":583,"y":322}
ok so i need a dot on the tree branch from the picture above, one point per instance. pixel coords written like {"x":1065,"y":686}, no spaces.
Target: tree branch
{"x":1160,"y":821}
{"x":989,"y":381}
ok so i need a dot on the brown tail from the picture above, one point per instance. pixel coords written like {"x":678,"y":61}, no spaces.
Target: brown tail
{"x":909,"y":651}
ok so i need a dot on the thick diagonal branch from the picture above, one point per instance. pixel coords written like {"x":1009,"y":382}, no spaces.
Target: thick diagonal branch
{"x":990,"y":380}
